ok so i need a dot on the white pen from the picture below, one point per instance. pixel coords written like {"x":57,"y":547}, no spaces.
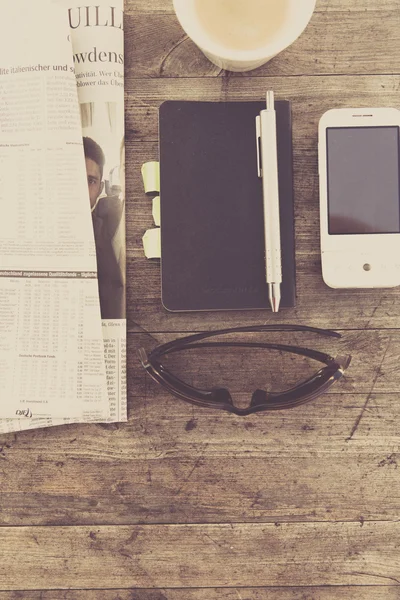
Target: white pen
{"x":267,"y":155}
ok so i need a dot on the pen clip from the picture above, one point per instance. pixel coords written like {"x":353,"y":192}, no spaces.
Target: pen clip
{"x":258,"y":140}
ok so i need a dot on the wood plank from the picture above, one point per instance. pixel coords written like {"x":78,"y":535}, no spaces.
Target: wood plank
{"x":272,"y":593}
{"x":231,"y":555}
{"x":166,"y":6}
{"x":329,"y":45}
{"x":305,"y":487}
{"x":310,"y":98}
{"x":346,"y":5}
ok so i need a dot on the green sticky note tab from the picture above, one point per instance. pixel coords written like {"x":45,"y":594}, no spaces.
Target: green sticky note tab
{"x":152,"y":243}
{"x":151,"y":177}
{"x":157,"y":211}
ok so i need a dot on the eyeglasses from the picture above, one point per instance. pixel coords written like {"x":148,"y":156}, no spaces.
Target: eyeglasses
{"x":220,"y":398}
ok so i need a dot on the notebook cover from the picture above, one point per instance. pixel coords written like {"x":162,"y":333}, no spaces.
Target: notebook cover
{"x":212,"y":236}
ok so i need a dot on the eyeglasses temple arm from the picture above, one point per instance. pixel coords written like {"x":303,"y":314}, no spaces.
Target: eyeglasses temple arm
{"x":180,"y":342}
{"x":314,"y":354}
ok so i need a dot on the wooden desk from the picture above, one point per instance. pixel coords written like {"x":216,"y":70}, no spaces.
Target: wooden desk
{"x":188,"y":504}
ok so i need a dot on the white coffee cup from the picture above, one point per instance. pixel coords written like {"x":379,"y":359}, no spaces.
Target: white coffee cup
{"x":296,"y":18}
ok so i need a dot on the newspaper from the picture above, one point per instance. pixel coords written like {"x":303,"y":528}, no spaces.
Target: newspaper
{"x":51,"y":349}
{"x":96,"y":33}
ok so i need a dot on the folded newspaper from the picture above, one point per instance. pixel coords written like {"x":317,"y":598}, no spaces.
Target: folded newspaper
{"x":62,"y":236}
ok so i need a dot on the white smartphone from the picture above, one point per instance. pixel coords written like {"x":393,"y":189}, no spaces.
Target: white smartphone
{"x":359,"y":174}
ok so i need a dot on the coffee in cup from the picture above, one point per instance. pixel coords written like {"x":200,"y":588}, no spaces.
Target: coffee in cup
{"x":240,"y":35}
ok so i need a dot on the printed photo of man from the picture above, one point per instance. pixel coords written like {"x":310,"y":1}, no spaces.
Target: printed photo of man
{"x":95,"y":161}
{"x":107,"y":214}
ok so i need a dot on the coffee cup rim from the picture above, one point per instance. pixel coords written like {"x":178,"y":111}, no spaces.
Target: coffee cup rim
{"x":270,"y":49}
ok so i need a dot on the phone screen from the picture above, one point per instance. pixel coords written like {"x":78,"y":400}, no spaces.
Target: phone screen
{"x":363,"y":180}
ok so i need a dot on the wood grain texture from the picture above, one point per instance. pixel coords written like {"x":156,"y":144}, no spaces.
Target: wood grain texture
{"x":250,"y":485}
{"x":233,"y":555}
{"x":270,"y":593}
{"x":166,"y":6}
{"x":333,"y":43}
{"x":310,"y":97}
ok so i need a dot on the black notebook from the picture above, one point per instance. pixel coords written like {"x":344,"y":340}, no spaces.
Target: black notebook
{"x":212,"y":234}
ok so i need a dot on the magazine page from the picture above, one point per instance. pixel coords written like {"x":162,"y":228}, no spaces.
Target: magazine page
{"x":51,"y":349}
{"x":97,"y":35}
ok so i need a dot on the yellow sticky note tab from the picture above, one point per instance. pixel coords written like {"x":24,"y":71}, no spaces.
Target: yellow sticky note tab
{"x":157,"y":211}
{"x":152,"y":243}
{"x":151,"y":177}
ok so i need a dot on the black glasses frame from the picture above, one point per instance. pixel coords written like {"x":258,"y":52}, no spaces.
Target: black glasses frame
{"x":261,"y":400}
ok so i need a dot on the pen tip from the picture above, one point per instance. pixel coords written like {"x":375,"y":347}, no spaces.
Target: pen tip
{"x":275,"y":305}
{"x":274,"y":295}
